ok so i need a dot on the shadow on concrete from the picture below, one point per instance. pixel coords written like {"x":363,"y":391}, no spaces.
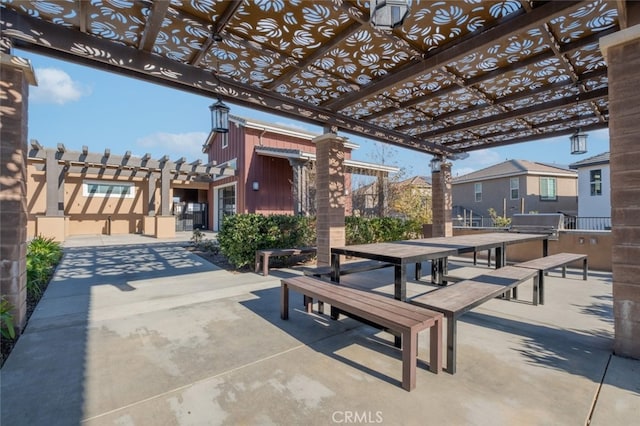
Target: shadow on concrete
{"x":573,"y":351}
{"x":327,"y":336}
{"x":47,"y":369}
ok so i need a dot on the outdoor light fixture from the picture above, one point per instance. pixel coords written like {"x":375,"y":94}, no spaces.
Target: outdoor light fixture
{"x":219,"y":117}
{"x":435,"y":164}
{"x":578,"y":139}
{"x":256,"y":186}
{"x":388,"y":14}
{"x":578,"y":142}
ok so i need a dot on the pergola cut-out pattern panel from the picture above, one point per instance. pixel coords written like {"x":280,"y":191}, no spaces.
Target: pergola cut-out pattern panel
{"x":456,"y":75}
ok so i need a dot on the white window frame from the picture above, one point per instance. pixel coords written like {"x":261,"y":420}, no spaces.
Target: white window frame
{"x":595,"y":186}
{"x":225,"y":140}
{"x":549,"y":179}
{"x":86,"y":191}
{"x":477,"y":190}
{"x":514,"y":185}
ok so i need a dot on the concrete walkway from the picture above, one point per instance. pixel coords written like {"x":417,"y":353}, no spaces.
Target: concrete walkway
{"x":136,"y":331}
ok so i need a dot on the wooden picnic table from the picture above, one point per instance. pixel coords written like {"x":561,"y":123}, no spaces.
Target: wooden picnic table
{"x":438,"y":249}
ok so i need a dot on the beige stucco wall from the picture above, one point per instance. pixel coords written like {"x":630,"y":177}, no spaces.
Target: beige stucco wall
{"x":595,"y":244}
{"x":88,"y":215}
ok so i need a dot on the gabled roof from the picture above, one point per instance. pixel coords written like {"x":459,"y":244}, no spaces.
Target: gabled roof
{"x":351,"y":166}
{"x":591,"y":161}
{"x":416,"y":181}
{"x":280,"y":129}
{"x":512,"y":168}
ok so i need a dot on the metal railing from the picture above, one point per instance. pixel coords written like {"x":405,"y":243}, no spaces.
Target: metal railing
{"x":593,"y":223}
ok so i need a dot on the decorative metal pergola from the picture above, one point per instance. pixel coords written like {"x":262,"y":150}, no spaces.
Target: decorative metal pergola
{"x":455,"y":76}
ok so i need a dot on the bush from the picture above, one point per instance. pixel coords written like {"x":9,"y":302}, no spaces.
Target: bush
{"x":43,"y":254}
{"x":242,"y":234}
{"x":361,"y":230}
{"x":7,"y":330}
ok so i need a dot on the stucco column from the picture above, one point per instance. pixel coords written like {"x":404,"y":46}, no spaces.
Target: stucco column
{"x":16,"y":75}
{"x":330,"y":195}
{"x":442,"y":201}
{"x":166,"y":222}
{"x":622,"y":53}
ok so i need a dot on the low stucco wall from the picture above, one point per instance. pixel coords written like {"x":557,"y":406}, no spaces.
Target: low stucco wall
{"x":597,"y":245}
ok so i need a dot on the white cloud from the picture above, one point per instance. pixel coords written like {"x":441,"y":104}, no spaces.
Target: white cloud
{"x":56,"y":87}
{"x":175,"y":145}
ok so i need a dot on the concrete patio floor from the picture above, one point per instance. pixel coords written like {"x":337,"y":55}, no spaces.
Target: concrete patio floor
{"x":146,"y":333}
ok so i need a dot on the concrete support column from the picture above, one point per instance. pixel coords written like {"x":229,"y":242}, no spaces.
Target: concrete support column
{"x":383,"y":195}
{"x":149,"y":220}
{"x":15,"y":76}
{"x":622,"y":53}
{"x":165,"y":223}
{"x":330,"y":195}
{"x":442,"y":201}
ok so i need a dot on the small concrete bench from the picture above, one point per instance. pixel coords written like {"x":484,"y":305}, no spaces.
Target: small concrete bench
{"x":456,"y":299}
{"x":346,"y":268}
{"x":393,"y":315}
{"x":545,"y":264}
{"x":262,"y":256}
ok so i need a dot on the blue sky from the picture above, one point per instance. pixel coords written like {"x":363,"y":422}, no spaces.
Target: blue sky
{"x":77,"y":105}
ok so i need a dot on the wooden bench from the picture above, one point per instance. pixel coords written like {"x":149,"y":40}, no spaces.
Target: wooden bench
{"x":393,"y":315}
{"x":545,"y":264}
{"x":262,"y":256}
{"x":346,"y":268}
{"x":456,"y":299}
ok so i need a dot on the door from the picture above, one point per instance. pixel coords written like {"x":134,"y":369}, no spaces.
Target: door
{"x":226,"y":203}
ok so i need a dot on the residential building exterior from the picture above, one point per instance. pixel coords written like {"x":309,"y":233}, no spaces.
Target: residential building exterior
{"x":274,"y":170}
{"x":375,"y":199}
{"x":594,"y":192}
{"x":514,"y":186}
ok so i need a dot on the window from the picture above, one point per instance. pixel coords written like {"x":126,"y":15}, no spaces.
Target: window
{"x":103,"y":189}
{"x":225,"y":140}
{"x":514,"y":184}
{"x":478,"y":191}
{"x":548,"y":189}
{"x":596,"y":182}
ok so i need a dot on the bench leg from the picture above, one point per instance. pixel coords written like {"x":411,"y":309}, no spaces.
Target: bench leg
{"x":541,"y":287}
{"x":284,"y":301}
{"x":435,"y":347}
{"x":418,"y":271}
{"x":265,"y":265}
{"x":451,"y":345}
{"x":585,"y":268}
{"x":409,"y":359}
{"x":258,"y":257}
{"x":536,"y":289}
{"x":308,"y":303}
{"x":489,"y":258}
{"x":475,"y":257}
{"x":564,"y":271}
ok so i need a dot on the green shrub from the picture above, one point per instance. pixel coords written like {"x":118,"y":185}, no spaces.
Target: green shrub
{"x":7,"y":330}
{"x":242,"y":234}
{"x":362,"y":230}
{"x":43,"y":254}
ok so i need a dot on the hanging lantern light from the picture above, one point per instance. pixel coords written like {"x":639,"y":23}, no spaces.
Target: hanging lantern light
{"x":435,"y":163}
{"x":388,"y":14}
{"x":579,"y":142}
{"x":219,"y":117}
